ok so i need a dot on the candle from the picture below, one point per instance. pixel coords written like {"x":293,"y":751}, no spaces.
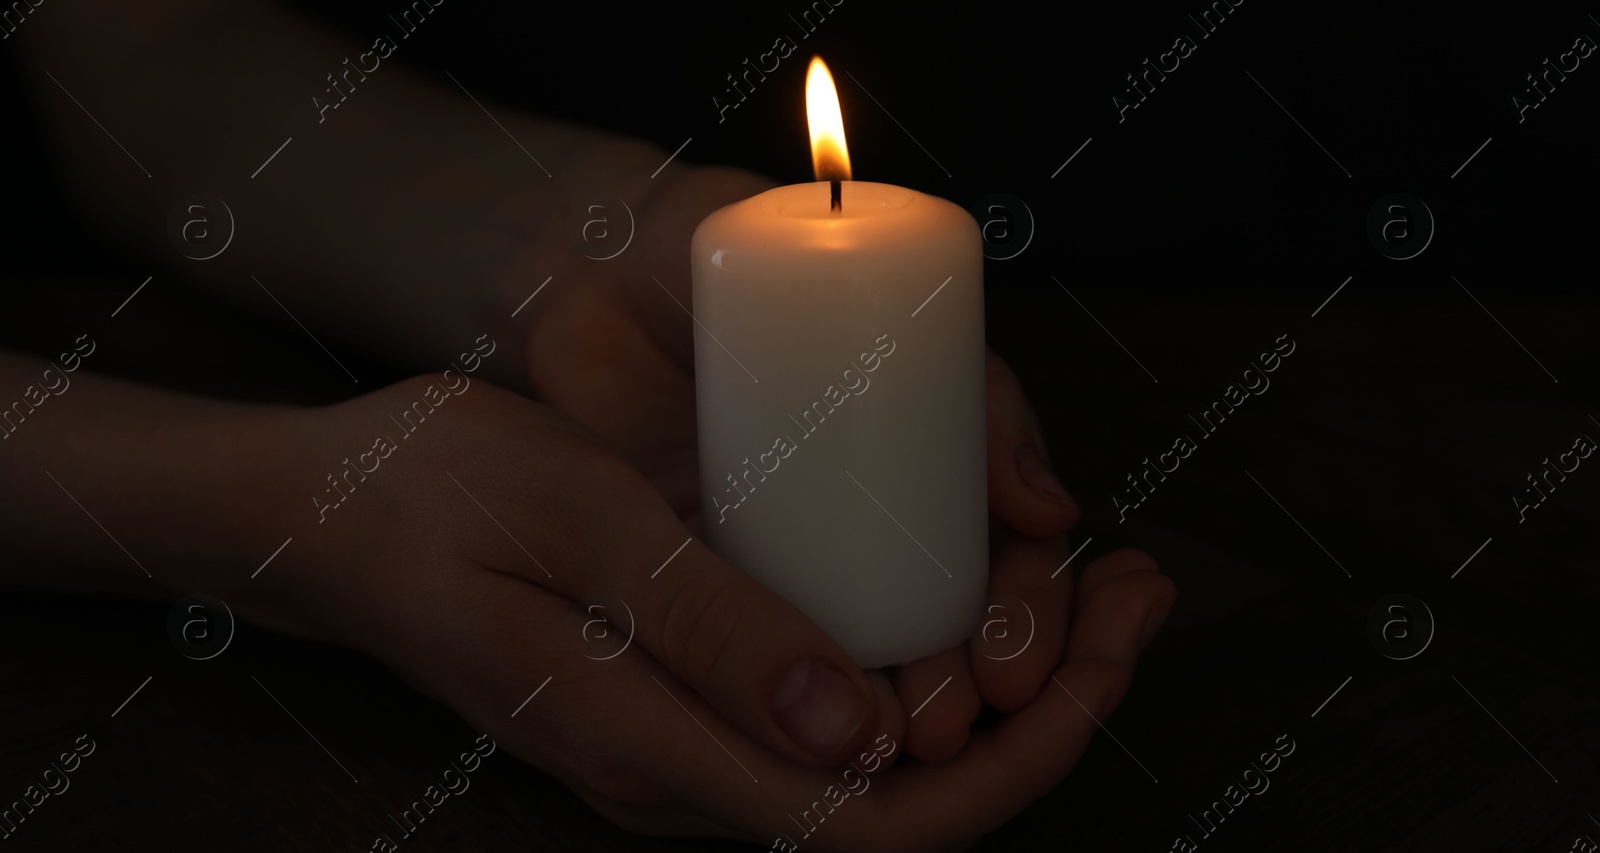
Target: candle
{"x":839,"y":369}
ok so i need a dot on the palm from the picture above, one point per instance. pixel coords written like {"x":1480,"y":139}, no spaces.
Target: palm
{"x":592,"y":360}
{"x":613,"y":345}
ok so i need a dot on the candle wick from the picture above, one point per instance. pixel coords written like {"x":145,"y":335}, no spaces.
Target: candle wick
{"x":835,"y":208}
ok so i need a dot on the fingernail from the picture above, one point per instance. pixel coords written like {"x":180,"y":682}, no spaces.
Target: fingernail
{"x":818,"y":707}
{"x":1153,"y":620}
{"x":1037,"y":474}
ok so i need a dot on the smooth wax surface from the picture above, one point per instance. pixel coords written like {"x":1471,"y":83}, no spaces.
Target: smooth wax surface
{"x":842,"y":452}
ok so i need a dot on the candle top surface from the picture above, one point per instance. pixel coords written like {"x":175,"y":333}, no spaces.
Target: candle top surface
{"x":793,"y":224}
{"x":860,"y":199}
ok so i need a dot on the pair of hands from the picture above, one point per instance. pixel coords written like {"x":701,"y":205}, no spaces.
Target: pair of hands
{"x":469,"y":561}
{"x":467,"y":558}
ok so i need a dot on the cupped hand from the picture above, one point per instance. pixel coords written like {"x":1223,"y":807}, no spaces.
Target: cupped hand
{"x":613,"y":349}
{"x":478,"y":557}
{"x":497,"y":522}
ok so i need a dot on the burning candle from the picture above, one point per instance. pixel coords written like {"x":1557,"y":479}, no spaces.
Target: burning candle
{"x":839,"y":369}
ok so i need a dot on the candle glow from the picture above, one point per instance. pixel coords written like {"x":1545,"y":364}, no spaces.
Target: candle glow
{"x":830,"y":159}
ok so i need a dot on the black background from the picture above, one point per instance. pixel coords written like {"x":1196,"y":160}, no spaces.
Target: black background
{"x":1198,"y":230}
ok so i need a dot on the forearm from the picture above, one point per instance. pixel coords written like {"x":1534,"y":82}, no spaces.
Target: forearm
{"x":402,"y":221}
{"x":107,"y":486}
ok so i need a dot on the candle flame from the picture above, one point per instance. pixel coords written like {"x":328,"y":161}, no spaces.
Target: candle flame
{"x":829,"y":157}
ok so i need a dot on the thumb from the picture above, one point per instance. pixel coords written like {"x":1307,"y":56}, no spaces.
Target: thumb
{"x":753,"y":656}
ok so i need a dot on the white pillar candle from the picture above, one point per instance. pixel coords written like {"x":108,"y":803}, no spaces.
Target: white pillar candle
{"x":839,"y":370}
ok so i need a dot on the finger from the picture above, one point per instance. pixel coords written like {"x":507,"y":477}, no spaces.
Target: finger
{"x":1001,"y":771}
{"x":603,"y":536}
{"x":942,"y":806}
{"x":1025,"y":631}
{"x":675,"y":208}
{"x":943,"y":701}
{"x":1130,"y":594}
{"x":1024,"y":492}
{"x":893,"y":719}
{"x":635,"y":742}
{"x":1104,"y":568}
{"x":645,"y":739}
{"x":635,"y":397}
{"x":525,"y":669}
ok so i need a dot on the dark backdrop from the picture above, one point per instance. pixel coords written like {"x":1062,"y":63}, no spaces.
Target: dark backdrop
{"x":1197,"y":231}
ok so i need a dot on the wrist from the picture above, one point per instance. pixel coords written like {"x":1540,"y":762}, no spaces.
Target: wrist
{"x":217,"y":512}
{"x":117,"y":488}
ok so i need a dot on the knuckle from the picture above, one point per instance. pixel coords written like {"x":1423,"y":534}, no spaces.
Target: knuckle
{"x":561,"y":485}
{"x":702,"y":622}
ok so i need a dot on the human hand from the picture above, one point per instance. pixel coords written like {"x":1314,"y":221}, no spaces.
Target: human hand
{"x":614,"y":350}
{"x":464,"y":560}
{"x":474,"y":555}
